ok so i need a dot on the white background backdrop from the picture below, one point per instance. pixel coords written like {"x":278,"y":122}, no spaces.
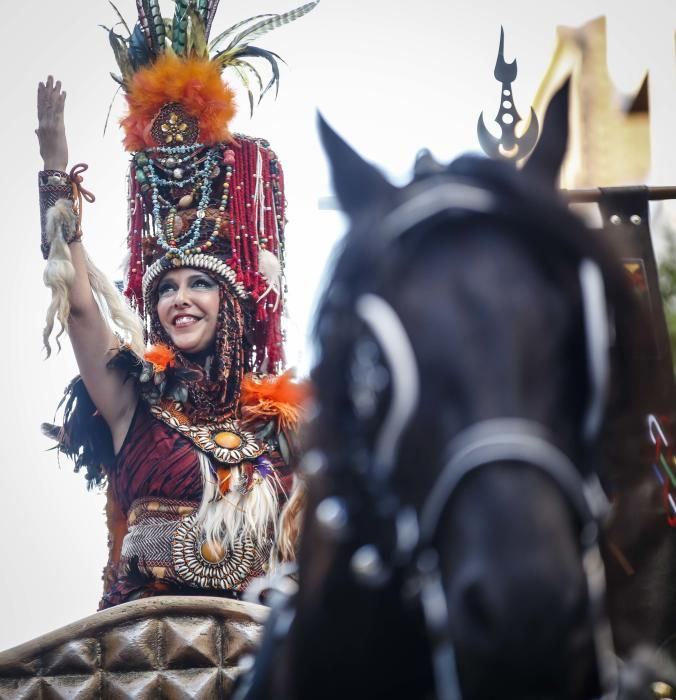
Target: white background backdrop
{"x":391,"y":76}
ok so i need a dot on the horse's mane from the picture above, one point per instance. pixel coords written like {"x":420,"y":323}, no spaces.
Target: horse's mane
{"x":535,"y":218}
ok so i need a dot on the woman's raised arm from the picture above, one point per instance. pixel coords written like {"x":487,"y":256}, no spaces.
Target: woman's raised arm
{"x":70,"y":274}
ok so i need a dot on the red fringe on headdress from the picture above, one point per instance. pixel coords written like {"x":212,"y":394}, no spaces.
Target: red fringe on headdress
{"x":134,"y":289}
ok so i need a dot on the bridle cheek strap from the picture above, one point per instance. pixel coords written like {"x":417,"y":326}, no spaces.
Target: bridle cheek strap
{"x":390,"y":334}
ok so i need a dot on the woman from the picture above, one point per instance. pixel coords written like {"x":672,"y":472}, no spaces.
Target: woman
{"x":191,"y":439}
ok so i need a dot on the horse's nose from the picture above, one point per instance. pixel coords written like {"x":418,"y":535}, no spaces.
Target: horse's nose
{"x":524,"y":610}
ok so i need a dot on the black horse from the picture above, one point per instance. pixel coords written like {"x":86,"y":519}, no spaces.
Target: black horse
{"x":476,"y":361}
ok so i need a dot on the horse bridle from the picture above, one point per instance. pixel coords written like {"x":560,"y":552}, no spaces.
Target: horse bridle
{"x":484,"y":443}
{"x":479,"y":445}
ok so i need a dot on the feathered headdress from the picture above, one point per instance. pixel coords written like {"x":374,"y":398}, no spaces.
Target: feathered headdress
{"x":165,"y":60}
{"x":199,"y":196}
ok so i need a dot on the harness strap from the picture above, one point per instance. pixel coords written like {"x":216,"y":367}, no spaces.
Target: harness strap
{"x":392,"y":338}
{"x":598,"y":340}
{"x":518,"y":440}
{"x":501,"y":440}
{"x":427,"y":202}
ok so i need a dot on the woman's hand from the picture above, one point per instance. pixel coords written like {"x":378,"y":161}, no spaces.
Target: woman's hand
{"x":51,"y":129}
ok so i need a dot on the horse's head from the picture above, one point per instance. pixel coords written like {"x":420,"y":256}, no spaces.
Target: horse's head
{"x":465,"y":355}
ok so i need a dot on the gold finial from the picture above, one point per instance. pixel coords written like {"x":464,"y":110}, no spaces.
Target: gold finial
{"x":663,"y":691}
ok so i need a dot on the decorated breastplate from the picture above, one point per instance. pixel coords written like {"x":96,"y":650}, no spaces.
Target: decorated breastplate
{"x":212,"y":545}
{"x":226,"y":442}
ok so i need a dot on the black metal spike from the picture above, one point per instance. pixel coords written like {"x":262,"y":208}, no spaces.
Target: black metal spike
{"x":509,"y":146}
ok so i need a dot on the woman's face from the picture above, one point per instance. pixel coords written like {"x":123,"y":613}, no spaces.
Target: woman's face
{"x":187,"y":306}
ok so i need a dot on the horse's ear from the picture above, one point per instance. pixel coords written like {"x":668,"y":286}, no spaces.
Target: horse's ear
{"x":357,"y":184}
{"x":546,"y":160}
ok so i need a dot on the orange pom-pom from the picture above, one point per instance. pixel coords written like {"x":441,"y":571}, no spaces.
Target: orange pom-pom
{"x":274,"y":397}
{"x":194,"y":82}
{"x":160,"y":356}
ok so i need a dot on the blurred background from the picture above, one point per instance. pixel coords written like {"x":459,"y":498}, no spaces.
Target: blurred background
{"x":391,"y":77}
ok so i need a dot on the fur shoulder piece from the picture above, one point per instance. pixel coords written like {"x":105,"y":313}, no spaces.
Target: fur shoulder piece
{"x":277,"y":398}
{"x":157,"y":373}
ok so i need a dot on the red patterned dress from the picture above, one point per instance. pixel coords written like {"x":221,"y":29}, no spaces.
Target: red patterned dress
{"x":154,"y":492}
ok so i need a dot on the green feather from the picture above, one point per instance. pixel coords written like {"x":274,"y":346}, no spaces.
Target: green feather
{"x":155,"y":25}
{"x":179,"y":34}
{"x":234,"y":27}
{"x":253,"y":72}
{"x":203,"y":9}
{"x":271,"y":23}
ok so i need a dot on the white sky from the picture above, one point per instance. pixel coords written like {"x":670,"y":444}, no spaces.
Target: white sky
{"x":391,"y":77}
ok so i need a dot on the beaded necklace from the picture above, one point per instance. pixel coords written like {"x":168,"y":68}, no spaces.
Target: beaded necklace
{"x":182,"y":162}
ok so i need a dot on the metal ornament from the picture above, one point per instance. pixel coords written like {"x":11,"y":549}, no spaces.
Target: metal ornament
{"x":332,"y":516}
{"x":368,"y":567}
{"x":509,"y":146}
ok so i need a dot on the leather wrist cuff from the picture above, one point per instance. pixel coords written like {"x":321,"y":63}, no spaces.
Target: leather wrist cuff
{"x":52,"y":186}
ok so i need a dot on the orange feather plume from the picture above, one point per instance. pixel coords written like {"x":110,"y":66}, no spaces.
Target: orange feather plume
{"x":160,"y":356}
{"x":193,"y":82}
{"x":223,"y":476}
{"x":274,"y":397}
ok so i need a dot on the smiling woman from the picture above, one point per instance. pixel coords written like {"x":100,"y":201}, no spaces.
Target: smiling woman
{"x":188,"y":303}
{"x":192,"y":434}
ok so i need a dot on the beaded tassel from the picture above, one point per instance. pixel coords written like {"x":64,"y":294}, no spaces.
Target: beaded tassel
{"x":136,"y":226}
